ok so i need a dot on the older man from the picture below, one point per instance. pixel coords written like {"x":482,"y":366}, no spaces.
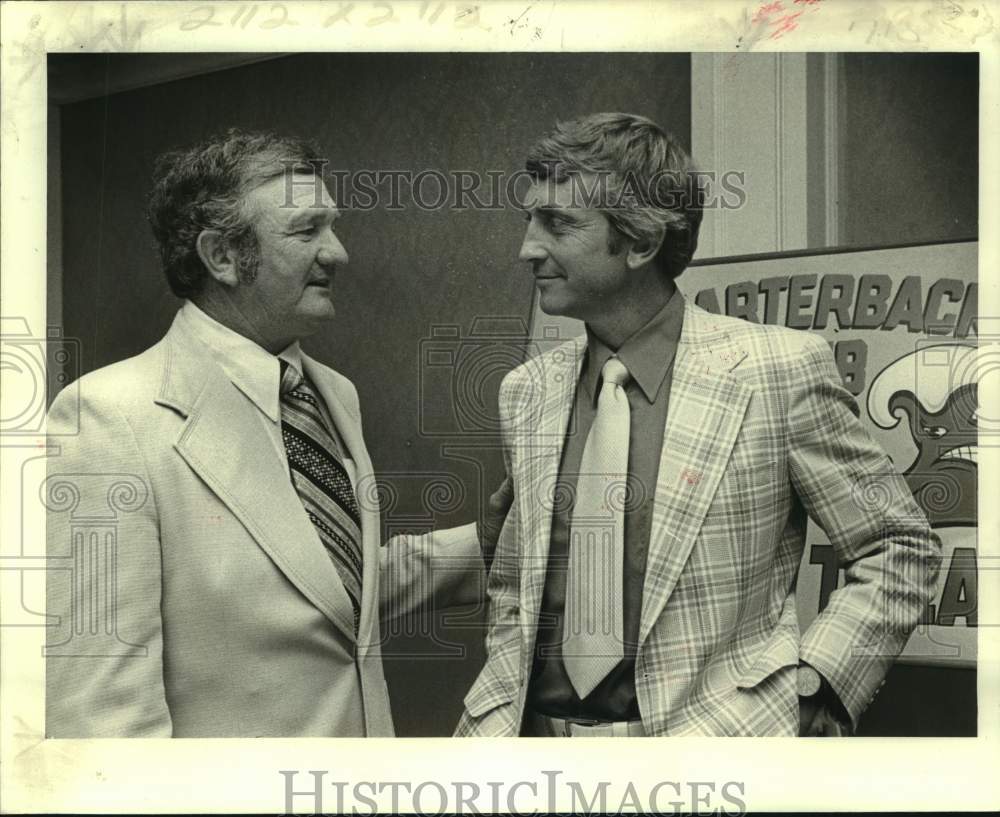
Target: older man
{"x":664,"y":467}
{"x":243,"y":584}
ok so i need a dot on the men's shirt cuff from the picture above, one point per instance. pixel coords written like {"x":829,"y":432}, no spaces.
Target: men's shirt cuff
{"x":828,"y":698}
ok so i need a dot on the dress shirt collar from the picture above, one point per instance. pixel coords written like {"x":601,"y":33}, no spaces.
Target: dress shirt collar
{"x":253,"y":370}
{"x":647,"y":355}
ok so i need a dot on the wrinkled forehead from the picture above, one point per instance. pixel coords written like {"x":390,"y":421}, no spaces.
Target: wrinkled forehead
{"x":289,"y":194}
{"x":576,"y":191}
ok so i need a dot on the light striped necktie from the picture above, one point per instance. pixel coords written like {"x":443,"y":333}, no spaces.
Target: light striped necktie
{"x":321,"y":480}
{"x":593,"y":643}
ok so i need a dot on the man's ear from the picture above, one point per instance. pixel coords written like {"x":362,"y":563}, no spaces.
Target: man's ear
{"x":642,"y":251}
{"x":218,"y":257}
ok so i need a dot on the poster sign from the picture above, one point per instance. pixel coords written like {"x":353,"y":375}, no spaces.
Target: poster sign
{"x":902,"y":326}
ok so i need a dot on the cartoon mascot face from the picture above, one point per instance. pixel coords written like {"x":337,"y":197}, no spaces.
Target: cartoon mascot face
{"x":936,"y":389}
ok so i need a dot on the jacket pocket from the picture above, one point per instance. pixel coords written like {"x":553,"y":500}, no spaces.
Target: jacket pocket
{"x":781,"y":651}
{"x":488,"y":692}
{"x":755,"y":487}
{"x":742,"y":493}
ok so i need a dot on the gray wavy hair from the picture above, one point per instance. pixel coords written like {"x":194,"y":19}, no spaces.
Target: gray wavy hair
{"x":205,"y":186}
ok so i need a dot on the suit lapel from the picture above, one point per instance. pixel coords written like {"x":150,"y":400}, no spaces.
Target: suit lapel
{"x":225,"y":443}
{"x":348,"y":424}
{"x":707,"y":405}
{"x":539,"y":434}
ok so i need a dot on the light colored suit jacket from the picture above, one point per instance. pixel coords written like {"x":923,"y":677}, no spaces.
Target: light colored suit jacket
{"x":760,"y":433}
{"x":196,"y":598}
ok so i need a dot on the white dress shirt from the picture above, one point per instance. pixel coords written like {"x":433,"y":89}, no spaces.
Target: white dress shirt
{"x":256,"y":373}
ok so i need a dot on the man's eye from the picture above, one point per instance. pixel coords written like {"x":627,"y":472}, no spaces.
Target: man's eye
{"x":305,"y":231}
{"x":548,"y":221}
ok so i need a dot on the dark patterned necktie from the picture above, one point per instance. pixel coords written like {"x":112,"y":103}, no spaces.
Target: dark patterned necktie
{"x":321,"y":480}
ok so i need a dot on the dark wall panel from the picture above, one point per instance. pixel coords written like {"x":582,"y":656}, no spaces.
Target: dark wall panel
{"x":923,"y":701}
{"x":910,"y":150}
{"x":410,"y":270}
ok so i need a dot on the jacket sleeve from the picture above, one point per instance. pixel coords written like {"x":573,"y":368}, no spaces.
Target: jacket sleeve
{"x":881,"y":538}
{"x":497,"y":682}
{"x":104,"y":645}
{"x":435,"y":570}
{"x":503,"y":587}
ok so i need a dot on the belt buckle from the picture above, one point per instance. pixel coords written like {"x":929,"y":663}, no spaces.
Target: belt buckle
{"x":610,"y":729}
{"x":587,"y":725}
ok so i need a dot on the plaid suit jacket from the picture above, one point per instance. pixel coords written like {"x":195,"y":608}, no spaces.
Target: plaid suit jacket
{"x":760,"y":434}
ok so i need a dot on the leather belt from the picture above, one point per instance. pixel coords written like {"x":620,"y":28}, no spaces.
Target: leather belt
{"x":547,"y":726}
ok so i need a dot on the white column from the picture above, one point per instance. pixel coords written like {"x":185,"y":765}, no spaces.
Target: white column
{"x":748,"y":115}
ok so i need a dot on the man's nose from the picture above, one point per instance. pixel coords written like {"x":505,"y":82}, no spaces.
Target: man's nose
{"x":332,"y":252}
{"x":532,"y":248}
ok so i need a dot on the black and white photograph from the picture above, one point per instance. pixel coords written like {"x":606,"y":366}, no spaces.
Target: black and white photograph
{"x":464,"y":372}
